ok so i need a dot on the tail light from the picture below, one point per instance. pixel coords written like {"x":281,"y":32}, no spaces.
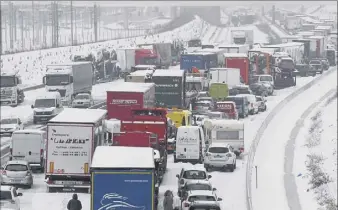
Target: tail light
{"x":85,"y":168}
{"x":49,"y":181}
{"x":186,"y":204}
{"x":251,"y":105}
{"x":28,"y":173}
{"x":4,"y":172}
{"x":12,"y":201}
{"x":182,"y":181}
{"x":51,"y":167}
{"x":207,"y":154}
{"x":241,"y":150}
{"x":228,"y":155}
{"x":11,"y":151}
{"x":41,"y":152}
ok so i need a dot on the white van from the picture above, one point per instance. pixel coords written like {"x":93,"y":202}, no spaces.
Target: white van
{"x":46,"y":107}
{"x":29,"y":145}
{"x":225,"y":131}
{"x":190,"y":144}
{"x":253,"y":105}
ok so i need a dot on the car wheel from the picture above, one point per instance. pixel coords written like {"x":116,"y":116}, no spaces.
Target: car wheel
{"x":232,"y":168}
{"x":175,"y":160}
{"x":264,"y":108}
{"x":235,"y":166}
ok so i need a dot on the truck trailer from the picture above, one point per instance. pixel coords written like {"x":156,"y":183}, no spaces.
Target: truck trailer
{"x":240,"y":61}
{"x":72,"y":137}
{"x":126,"y":59}
{"x":69,"y":79}
{"x":121,"y":99}
{"x":123,"y":178}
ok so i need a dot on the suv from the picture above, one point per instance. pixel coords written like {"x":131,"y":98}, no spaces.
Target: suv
{"x":192,"y":185}
{"x":204,"y":205}
{"x":220,"y":155}
{"x":9,"y":197}
{"x":191,"y":173}
{"x":201,"y":196}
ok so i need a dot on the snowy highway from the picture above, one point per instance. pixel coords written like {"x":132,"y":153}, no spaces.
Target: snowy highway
{"x":270,"y":154}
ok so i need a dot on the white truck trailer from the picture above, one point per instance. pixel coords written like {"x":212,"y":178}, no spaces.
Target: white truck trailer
{"x":69,"y":79}
{"x":229,"y":76}
{"x":126,"y":59}
{"x":72,"y":137}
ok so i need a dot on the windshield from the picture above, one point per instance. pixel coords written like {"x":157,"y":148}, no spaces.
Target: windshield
{"x":54,"y":80}
{"x":218,"y":150}
{"x":315,"y":62}
{"x":227,"y":135}
{"x":149,"y":61}
{"x":194,"y":43}
{"x":16,"y":167}
{"x":198,"y":187}
{"x":9,"y":121}
{"x":194,"y":175}
{"x":7,"y":81}
{"x":203,"y":94}
{"x":201,"y":198}
{"x":238,"y":101}
{"x":5,"y":195}
{"x":191,"y":86}
{"x":82,"y":97}
{"x":240,"y":40}
{"x":286,"y":64}
{"x":44,"y":103}
{"x":266,"y":79}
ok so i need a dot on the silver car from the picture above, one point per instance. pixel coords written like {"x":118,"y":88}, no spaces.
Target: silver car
{"x":83,"y":100}
{"x":17,"y":173}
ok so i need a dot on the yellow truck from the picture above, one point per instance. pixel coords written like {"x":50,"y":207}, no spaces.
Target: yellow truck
{"x":218,"y":91}
{"x":180,"y":117}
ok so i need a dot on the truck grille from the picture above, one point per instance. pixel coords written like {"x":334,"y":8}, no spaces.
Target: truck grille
{"x":5,"y":94}
{"x":44,"y":113}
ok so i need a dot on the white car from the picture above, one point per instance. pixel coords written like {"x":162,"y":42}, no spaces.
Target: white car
{"x":199,"y":195}
{"x":191,"y":173}
{"x":220,"y":155}
{"x":192,"y":185}
{"x":83,"y":100}
{"x":253,"y":104}
{"x":9,"y":198}
{"x":9,"y":125}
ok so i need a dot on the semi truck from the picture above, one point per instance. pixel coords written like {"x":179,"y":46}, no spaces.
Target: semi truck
{"x":242,"y":37}
{"x":219,"y":52}
{"x":202,"y":60}
{"x":11,"y":92}
{"x":121,"y":99}
{"x":170,"y":88}
{"x":321,"y":43}
{"x":158,"y":54}
{"x":123,"y":178}
{"x":69,"y":79}
{"x":240,"y":61}
{"x":72,"y":137}
{"x":126,"y":59}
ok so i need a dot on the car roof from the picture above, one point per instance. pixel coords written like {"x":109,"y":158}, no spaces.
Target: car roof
{"x":216,"y":144}
{"x":194,"y":168}
{"x":201,"y":192}
{"x":20,"y":162}
{"x":198,"y":181}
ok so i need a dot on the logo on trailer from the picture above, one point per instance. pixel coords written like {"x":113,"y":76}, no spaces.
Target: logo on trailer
{"x":123,"y":101}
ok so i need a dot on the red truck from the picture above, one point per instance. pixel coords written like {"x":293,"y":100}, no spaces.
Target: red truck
{"x":151,"y":120}
{"x":158,"y":54}
{"x":240,"y":61}
{"x":122,"y":98}
{"x":145,"y":57}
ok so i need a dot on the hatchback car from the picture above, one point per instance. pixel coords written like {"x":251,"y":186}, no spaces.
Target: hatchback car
{"x":9,"y":125}
{"x":199,"y":195}
{"x":195,"y":185}
{"x":83,"y":100}
{"x":261,"y":103}
{"x":220,"y":155}
{"x":17,"y":173}
{"x":191,"y":173}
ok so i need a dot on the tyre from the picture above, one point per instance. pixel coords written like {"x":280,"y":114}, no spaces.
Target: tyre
{"x":235,"y":166}
{"x":264,"y":108}
{"x":175,"y":160}
{"x":232,"y":168}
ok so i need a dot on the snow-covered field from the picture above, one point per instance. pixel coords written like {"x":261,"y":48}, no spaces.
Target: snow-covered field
{"x":270,"y":155}
{"x":317,"y":140}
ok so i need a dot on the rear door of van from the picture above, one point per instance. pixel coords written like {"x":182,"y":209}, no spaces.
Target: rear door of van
{"x":27,"y":146}
{"x":188,"y":143}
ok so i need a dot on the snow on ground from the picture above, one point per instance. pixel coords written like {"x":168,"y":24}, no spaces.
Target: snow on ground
{"x":320,"y":126}
{"x":31,"y":65}
{"x":329,"y":10}
{"x":270,"y":153}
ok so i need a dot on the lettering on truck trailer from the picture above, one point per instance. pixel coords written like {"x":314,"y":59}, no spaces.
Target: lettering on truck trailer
{"x":69,"y":149}
{"x":224,"y":106}
{"x":123,"y":101}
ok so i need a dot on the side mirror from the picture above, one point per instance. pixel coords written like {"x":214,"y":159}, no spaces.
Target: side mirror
{"x":19,"y":194}
{"x":214,"y":189}
{"x":219,"y":199}
{"x":32,"y":106}
{"x":178,"y":176}
{"x":57,"y":105}
{"x":19,"y":122}
{"x":209,"y":176}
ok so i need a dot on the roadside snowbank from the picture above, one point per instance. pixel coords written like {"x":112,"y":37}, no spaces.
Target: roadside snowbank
{"x":31,"y":65}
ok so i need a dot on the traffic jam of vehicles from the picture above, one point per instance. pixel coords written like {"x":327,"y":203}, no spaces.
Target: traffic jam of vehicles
{"x":193,"y":112}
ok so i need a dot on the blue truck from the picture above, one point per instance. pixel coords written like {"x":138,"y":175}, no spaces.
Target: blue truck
{"x":118,"y":184}
{"x":201,"y":60}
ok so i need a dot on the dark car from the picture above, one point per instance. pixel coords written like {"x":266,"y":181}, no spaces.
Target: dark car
{"x":242,"y":105}
{"x":259,"y":89}
{"x":317,"y":66}
{"x":305,"y":70}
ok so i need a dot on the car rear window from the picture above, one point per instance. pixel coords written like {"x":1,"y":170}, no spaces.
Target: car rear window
{"x":190,"y":187}
{"x":16,"y":167}
{"x":218,"y":150}
{"x":238,"y":101}
{"x":315,"y":62}
{"x":194,"y":175}
{"x":201,"y":198}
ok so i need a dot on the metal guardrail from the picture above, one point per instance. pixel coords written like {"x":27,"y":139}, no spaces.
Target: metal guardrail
{"x":261,"y":130}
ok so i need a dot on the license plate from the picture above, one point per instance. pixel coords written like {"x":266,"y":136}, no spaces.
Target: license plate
{"x":182,"y":155}
{"x":15,"y":180}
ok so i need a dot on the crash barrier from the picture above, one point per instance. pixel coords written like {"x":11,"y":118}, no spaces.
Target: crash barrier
{"x":260,"y":131}
{"x":4,"y":151}
{"x":176,"y":23}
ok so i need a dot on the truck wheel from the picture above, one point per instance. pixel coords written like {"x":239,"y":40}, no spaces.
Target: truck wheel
{"x":175,"y":160}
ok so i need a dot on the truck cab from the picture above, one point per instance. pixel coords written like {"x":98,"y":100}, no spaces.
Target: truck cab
{"x":11,"y":93}
{"x":46,"y":107}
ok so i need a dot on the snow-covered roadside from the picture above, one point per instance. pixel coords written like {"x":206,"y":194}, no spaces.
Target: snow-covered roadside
{"x":31,"y":65}
{"x":315,"y":160}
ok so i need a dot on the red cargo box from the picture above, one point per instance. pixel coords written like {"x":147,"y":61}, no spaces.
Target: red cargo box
{"x":124,"y":97}
{"x":135,"y":139}
{"x":239,"y":61}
